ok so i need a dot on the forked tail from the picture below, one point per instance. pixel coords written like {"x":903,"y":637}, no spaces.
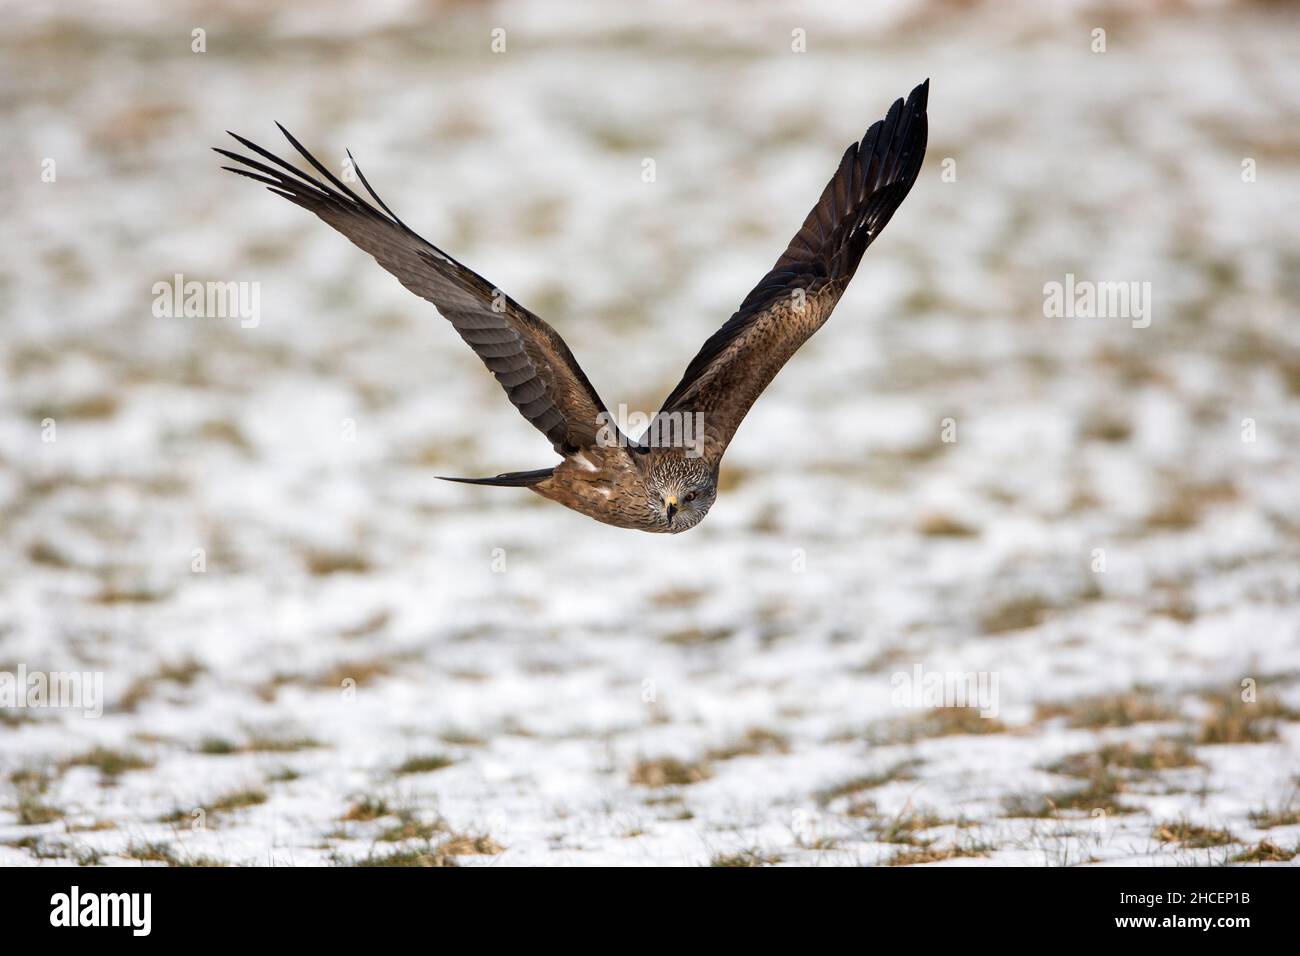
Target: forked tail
{"x":511,"y":479}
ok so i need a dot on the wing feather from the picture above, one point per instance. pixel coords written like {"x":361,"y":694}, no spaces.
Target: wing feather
{"x":529,"y":358}
{"x":795,"y":298}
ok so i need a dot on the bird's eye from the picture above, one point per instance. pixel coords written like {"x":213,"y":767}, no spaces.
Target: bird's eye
{"x":690,"y":496}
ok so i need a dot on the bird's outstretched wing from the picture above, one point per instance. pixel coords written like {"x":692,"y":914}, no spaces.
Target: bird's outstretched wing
{"x":797,"y":295}
{"x":527,"y":356}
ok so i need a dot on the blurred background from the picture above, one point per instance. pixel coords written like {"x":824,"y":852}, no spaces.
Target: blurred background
{"x":313,"y":652}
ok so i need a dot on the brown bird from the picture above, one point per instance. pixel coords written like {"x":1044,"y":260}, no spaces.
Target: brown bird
{"x":667,"y":479}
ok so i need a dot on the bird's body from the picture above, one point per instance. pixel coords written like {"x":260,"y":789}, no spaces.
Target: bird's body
{"x":667,"y":480}
{"x":655,"y":491}
{"x":604,"y":483}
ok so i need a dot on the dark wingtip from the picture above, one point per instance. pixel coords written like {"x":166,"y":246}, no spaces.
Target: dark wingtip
{"x":920,"y":96}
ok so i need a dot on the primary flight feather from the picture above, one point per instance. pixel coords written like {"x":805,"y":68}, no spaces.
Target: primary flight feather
{"x":659,"y":482}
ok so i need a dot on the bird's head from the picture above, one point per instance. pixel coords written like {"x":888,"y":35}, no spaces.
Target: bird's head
{"x":681,"y":491}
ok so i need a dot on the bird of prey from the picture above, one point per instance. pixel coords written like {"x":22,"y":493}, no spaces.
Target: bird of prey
{"x":648,"y":483}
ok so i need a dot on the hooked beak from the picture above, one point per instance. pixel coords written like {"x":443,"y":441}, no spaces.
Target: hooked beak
{"x":671,"y":502}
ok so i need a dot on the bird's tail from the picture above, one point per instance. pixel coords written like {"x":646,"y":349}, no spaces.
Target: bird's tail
{"x":511,"y":479}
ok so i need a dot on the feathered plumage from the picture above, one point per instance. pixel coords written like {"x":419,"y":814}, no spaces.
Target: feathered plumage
{"x":603,"y":474}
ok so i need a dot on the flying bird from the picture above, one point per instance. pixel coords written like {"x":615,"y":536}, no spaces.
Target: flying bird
{"x":660,"y":481}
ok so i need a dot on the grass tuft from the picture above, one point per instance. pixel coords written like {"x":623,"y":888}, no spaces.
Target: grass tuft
{"x":1138,"y":706}
{"x":1014,"y":614}
{"x":1100,"y":793}
{"x":1264,"y":852}
{"x":1267,"y":819}
{"x":156,"y":852}
{"x":668,"y":772}
{"x":935,"y":722}
{"x":1162,"y":754}
{"x":366,"y":809}
{"x":754,"y":742}
{"x":110,"y":763}
{"x":1234,"y":721}
{"x":945,"y":526}
{"x":904,"y":770}
{"x":753,"y":857}
{"x":919,"y":856}
{"x":1192,"y":836}
{"x":425,"y":764}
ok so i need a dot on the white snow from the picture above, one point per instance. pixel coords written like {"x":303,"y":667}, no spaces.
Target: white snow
{"x":547,"y":656}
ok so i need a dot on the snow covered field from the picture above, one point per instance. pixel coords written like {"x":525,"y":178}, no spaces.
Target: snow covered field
{"x":314,"y":653}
